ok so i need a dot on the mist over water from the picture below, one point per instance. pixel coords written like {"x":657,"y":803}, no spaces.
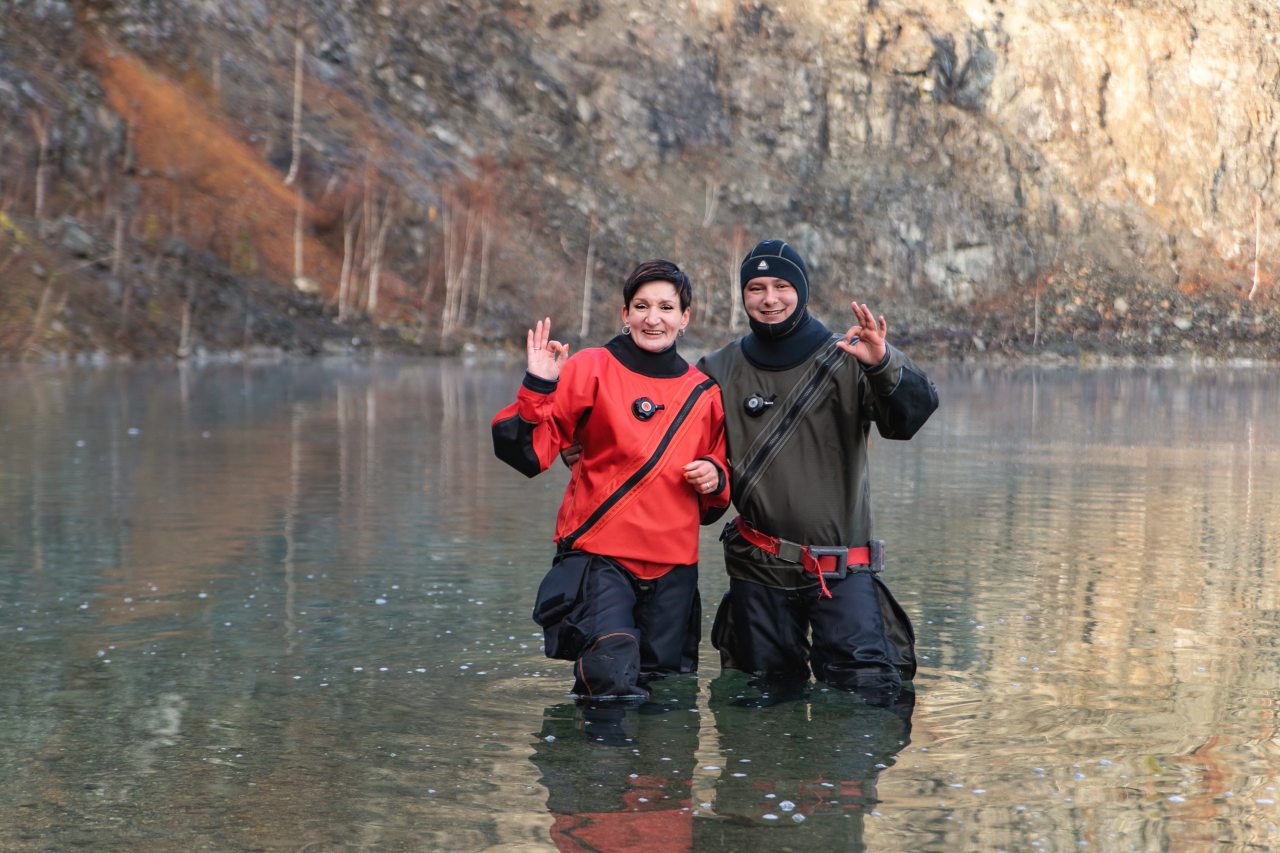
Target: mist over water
{"x":267,"y":607}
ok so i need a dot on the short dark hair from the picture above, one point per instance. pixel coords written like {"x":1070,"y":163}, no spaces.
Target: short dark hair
{"x":658,"y":270}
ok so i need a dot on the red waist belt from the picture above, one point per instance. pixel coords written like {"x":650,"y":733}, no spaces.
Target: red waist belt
{"x":825,"y":561}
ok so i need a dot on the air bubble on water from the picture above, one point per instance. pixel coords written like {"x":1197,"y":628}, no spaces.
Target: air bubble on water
{"x":134,"y":431}
{"x":379,"y":601}
{"x":101,"y":653}
{"x":799,"y":818}
{"x":420,"y":669}
{"x":84,"y":606}
{"x":297,"y":678}
{"x":357,"y":669}
{"x":80,"y":442}
{"x":1177,"y":798}
{"x":382,"y":669}
{"x":769,"y":816}
{"x":787,"y":806}
{"x":202,"y":595}
{"x":771,"y":796}
{"x":710,"y":767}
{"x":550,"y":738}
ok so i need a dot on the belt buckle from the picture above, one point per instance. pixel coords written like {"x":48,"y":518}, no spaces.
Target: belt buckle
{"x":842,"y":560}
{"x":791,"y":552}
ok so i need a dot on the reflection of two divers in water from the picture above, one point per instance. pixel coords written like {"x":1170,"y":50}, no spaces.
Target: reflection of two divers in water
{"x":629,"y":774}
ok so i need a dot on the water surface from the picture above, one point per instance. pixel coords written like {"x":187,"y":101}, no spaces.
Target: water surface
{"x":286,"y":607}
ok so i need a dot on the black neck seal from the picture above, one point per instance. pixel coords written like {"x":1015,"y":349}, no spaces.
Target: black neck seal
{"x":783,"y":351}
{"x":666,"y":364}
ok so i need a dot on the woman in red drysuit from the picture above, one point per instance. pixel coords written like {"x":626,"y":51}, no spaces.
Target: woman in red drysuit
{"x":621,"y":599}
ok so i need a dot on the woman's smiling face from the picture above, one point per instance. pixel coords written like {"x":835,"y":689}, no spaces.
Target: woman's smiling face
{"x":654,"y":315}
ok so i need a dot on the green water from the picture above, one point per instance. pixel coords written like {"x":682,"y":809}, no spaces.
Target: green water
{"x":285,"y":607}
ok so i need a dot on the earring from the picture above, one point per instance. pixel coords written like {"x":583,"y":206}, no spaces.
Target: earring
{"x":680,"y":334}
{"x":626,"y":328}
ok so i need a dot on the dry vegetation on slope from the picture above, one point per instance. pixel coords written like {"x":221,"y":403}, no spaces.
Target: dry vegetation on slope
{"x":460,"y":168}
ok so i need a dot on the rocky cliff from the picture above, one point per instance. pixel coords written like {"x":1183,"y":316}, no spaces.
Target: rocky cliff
{"x":1045,"y":176}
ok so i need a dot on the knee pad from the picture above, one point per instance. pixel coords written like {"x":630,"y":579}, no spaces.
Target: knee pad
{"x":610,"y":668}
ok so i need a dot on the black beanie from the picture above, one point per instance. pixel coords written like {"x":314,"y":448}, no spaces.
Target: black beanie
{"x":776,"y":258}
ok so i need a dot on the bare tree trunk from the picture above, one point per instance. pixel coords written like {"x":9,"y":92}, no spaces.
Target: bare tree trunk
{"x":299,"y":220}
{"x":41,"y":318}
{"x":457,"y":263}
{"x":130,"y":151}
{"x":428,"y":287}
{"x":446,"y":223}
{"x":296,"y":134}
{"x":711,"y":200}
{"x":735,"y":286}
{"x":42,"y":171}
{"x":486,"y":229}
{"x":117,"y":266}
{"x":463,"y":278}
{"x":1257,"y":243}
{"x":349,"y":222}
{"x":117,"y":242}
{"x":585,"y":328}
{"x":184,"y":335}
{"x":365,"y":241}
{"x":379,"y":244}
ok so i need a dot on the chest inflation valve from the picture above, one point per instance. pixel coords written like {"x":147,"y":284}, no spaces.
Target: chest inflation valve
{"x":644,"y":408}
{"x":757,"y":403}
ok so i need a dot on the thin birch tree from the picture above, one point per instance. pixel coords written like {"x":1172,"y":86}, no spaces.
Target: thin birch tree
{"x":378,"y":247}
{"x":585,"y":327}
{"x":42,"y":170}
{"x":350,"y":225}
{"x":299,"y":54}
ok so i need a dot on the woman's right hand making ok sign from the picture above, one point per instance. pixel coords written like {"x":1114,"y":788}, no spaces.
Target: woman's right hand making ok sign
{"x":546,"y":356}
